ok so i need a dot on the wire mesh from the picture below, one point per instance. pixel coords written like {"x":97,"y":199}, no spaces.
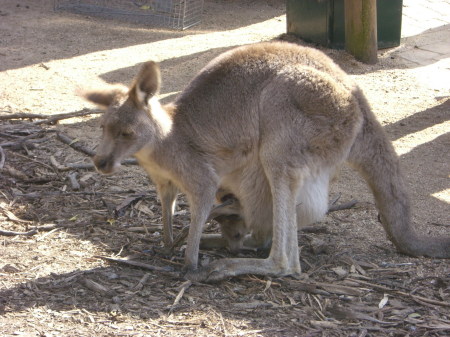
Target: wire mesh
{"x":175,"y":14}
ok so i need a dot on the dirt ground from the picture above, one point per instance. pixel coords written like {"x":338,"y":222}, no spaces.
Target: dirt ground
{"x":57,"y":282}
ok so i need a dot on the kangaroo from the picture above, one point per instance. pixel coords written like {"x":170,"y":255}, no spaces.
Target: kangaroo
{"x":267,"y":122}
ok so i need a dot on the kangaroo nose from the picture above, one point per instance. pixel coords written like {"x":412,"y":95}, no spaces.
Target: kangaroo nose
{"x":100,"y":163}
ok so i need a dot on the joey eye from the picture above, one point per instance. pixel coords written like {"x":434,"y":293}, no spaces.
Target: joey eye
{"x":237,"y":236}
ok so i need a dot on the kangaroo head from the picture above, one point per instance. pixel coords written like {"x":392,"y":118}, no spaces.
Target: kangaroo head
{"x":228,"y":213}
{"x":133,"y":118}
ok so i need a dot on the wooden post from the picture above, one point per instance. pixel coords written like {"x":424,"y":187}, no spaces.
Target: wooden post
{"x":361,"y":29}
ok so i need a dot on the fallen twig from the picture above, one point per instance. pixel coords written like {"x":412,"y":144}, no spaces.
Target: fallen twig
{"x":12,"y":233}
{"x":440,"y":224}
{"x":177,"y":300}
{"x":23,"y":129}
{"x":314,"y":229}
{"x":58,"y":117}
{"x":23,"y":115}
{"x":141,"y":282}
{"x":11,"y":216}
{"x":414,"y":297}
{"x":137,"y":264}
{"x":253,"y":278}
{"x":150,"y":229}
{"x":371,"y":285}
{"x":30,"y":142}
{"x":73,"y":143}
{"x":346,"y":205}
{"x":328,"y":287}
{"x":11,"y":171}
{"x":51,"y":227}
{"x":180,"y":238}
{"x":225,"y":332}
{"x":70,"y":166}
{"x":325,"y":324}
{"x":65,"y":194}
{"x":424,"y":299}
{"x":22,"y":141}
{"x":43,"y":228}
{"x":46,"y":119}
{"x":339,"y":289}
{"x":336,"y":199}
{"x":97,"y":287}
{"x":255,"y":304}
{"x":80,"y":166}
{"x":33,"y":160}
{"x":2,"y":158}
{"x":342,"y":312}
{"x":55,"y":164}
{"x":49,"y":233}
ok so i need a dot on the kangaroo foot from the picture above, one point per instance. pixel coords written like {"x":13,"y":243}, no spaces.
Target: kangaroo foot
{"x":222,"y":269}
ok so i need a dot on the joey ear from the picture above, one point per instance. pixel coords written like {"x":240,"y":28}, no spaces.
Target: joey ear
{"x":103,"y":97}
{"x":146,"y":84}
{"x":226,"y":208}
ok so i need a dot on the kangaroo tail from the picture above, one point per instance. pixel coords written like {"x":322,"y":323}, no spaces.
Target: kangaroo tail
{"x":373,"y":155}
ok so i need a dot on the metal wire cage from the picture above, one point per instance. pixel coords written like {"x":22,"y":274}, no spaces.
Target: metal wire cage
{"x":175,"y":14}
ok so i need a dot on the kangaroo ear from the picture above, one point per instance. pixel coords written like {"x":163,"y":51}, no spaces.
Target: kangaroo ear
{"x":146,"y":84}
{"x":103,"y":97}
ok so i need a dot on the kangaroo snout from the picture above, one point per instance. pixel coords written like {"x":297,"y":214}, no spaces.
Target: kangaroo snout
{"x":104,"y":164}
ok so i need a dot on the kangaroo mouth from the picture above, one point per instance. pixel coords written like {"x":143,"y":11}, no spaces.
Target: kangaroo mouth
{"x":105,"y":165}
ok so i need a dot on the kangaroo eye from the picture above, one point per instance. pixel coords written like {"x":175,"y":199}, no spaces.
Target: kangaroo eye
{"x":126,"y":134}
{"x":237,"y":236}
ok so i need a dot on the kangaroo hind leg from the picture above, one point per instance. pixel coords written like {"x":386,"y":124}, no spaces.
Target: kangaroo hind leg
{"x":284,"y":256}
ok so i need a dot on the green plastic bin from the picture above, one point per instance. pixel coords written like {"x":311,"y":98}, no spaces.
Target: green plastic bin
{"x":323,"y":22}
